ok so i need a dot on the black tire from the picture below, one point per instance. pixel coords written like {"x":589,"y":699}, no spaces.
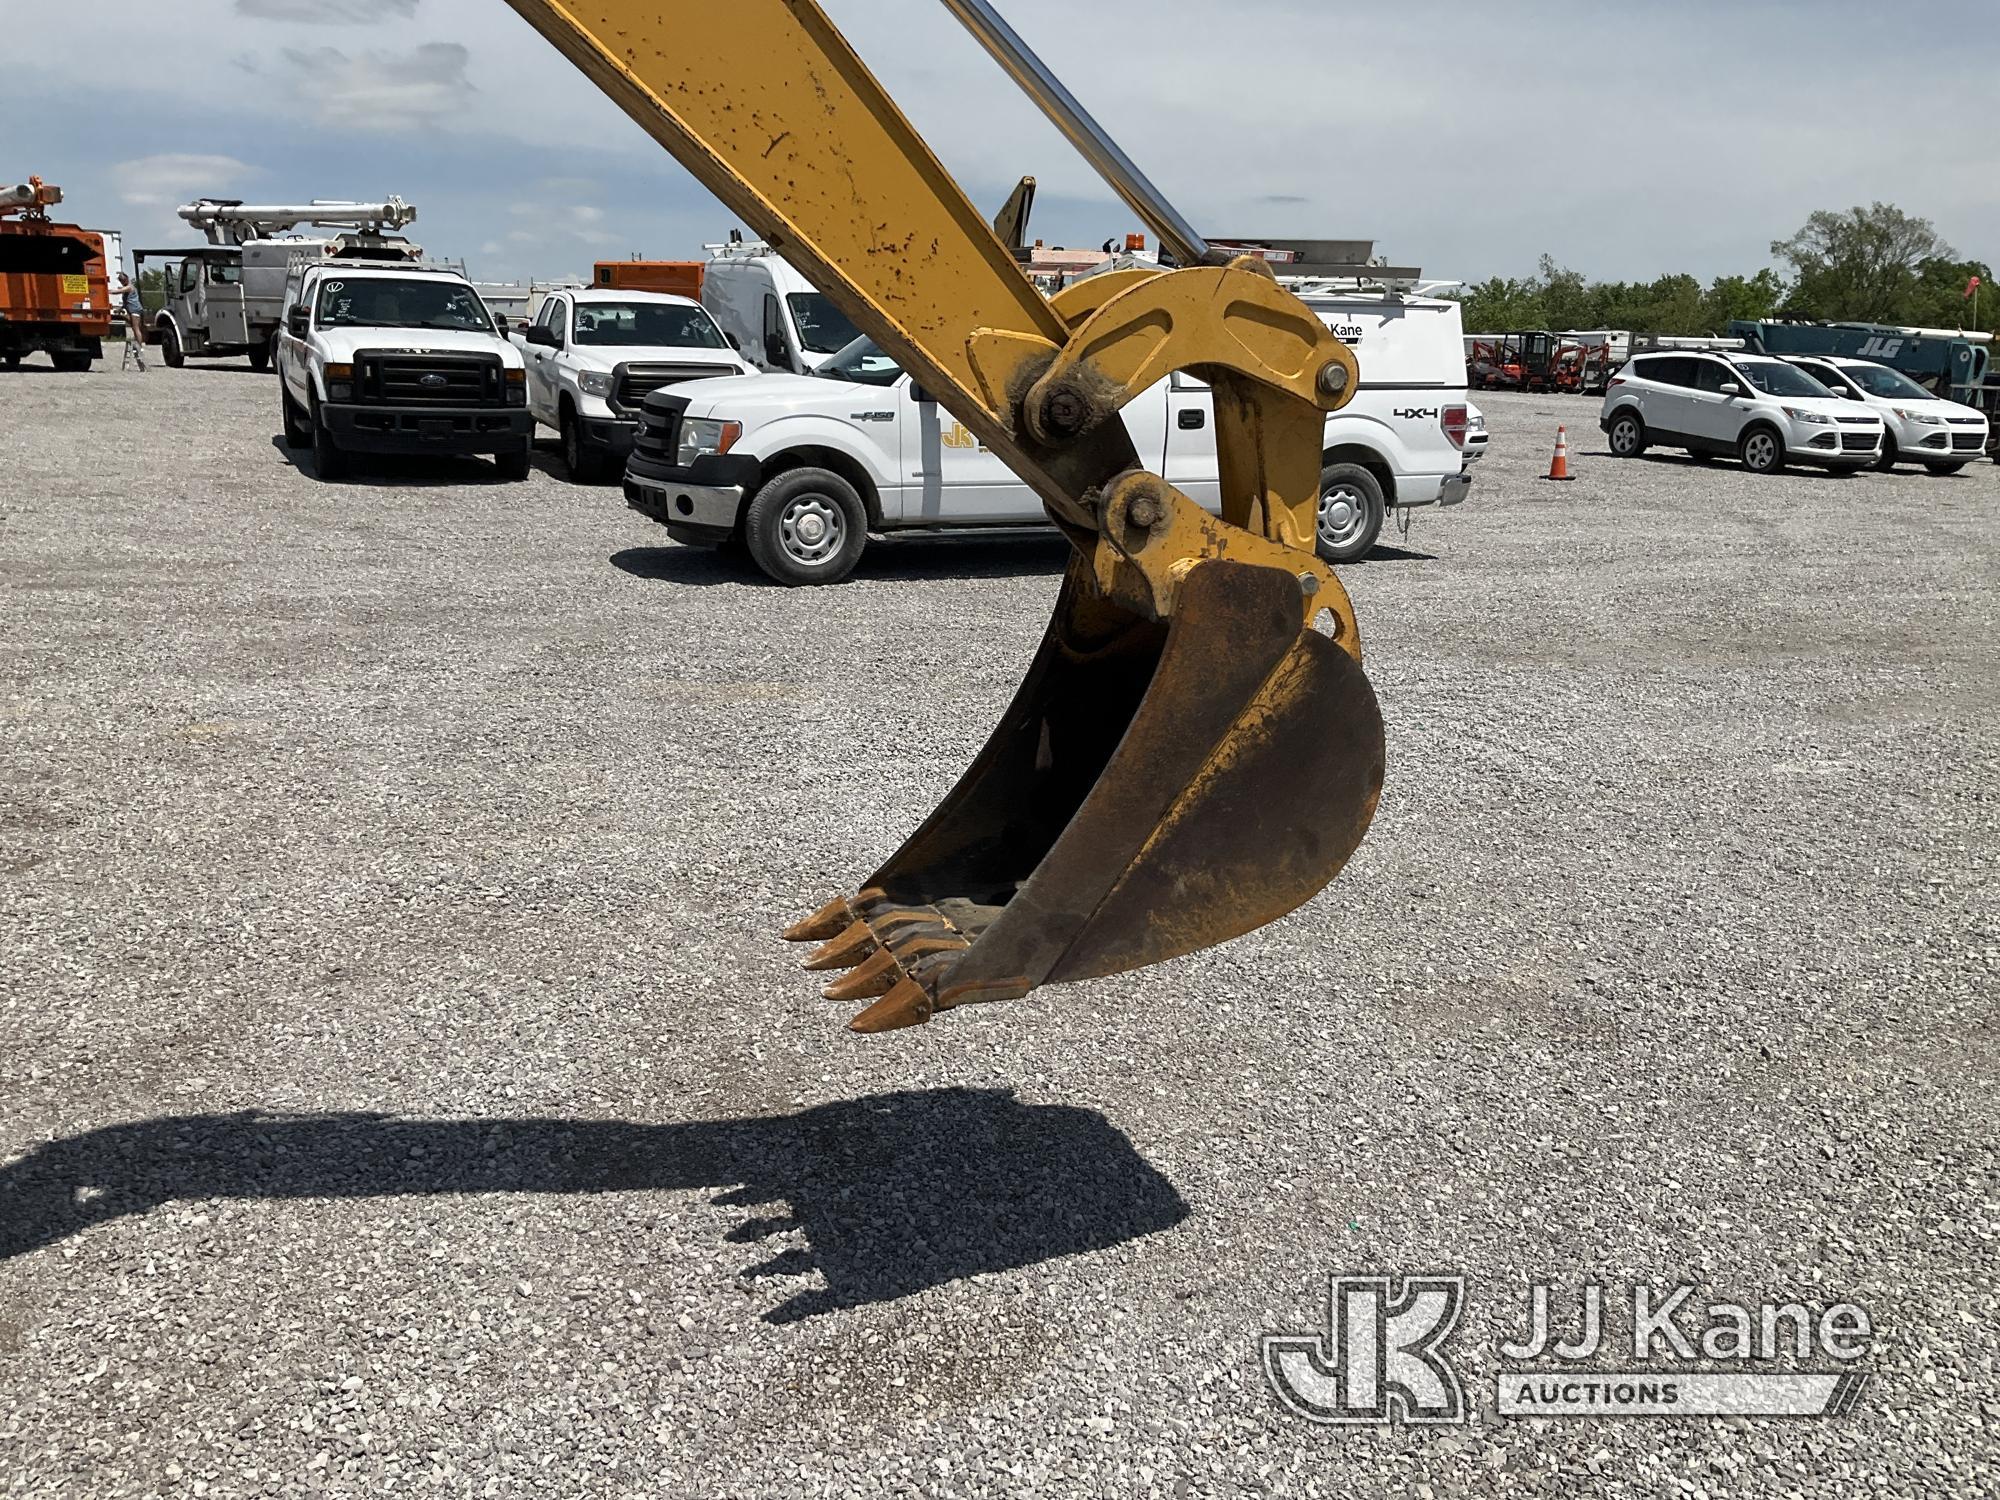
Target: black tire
{"x":513,"y":464}
{"x":72,"y":361}
{"x":806,"y":526}
{"x":1950,"y":468}
{"x":298,"y":432}
{"x":328,"y":461}
{"x":584,"y":462}
{"x":11,"y":361}
{"x":1351,"y":510}
{"x":170,"y":347}
{"x":1890,"y":453}
{"x":1626,"y":434}
{"x":1762,"y":448}
{"x":260,"y":357}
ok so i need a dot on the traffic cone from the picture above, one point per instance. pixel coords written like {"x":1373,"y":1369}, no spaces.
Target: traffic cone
{"x":1559,"y":465}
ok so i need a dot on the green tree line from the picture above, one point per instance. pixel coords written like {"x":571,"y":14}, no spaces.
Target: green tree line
{"x":1874,"y":265}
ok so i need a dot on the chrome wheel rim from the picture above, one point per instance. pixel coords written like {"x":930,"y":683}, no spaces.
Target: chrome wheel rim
{"x":1624,"y":437}
{"x":1343,"y":512}
{"x":1761,"y":450}
{"x":811,"y":530}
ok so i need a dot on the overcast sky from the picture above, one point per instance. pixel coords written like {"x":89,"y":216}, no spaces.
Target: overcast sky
{"x":1627,"y":140}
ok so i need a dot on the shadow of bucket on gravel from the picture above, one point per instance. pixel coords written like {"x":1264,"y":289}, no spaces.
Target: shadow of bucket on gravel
{"x":894,"y":1193}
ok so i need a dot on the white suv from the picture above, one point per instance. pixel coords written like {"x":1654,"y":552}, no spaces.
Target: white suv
{"x":1942,"y":435}
{"x":1758,"y":409}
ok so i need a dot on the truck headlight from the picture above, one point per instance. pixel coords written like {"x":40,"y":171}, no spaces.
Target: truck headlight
{"x":701,"y":436}
{"x":1921,"y":418}
{"x":516,"y":383}
{"x":593,"y":383}
{"x":340,"y":382}
{"x":1810,"y":418}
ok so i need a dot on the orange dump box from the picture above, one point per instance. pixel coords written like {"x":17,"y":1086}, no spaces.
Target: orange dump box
{"x":681,"y":277}
{"x":55,"y":297}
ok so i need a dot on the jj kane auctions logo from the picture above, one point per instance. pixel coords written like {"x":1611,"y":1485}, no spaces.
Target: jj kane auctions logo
{"x":1383,"y":1356}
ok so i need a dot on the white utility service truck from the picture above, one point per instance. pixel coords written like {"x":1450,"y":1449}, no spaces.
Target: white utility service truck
{"x":801,"y":469}
{"x":380,"y":357}
{"x":595,"y":354}
{"x":224,"y":298}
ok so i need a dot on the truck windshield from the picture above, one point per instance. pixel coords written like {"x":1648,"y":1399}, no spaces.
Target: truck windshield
{"x":1774,"y":378}
{"x":1880,"y":380}
{"x":823,"y":328}
{"x":862,"y":361}
{"x":400,"y":302}
{"x":657,"y":325}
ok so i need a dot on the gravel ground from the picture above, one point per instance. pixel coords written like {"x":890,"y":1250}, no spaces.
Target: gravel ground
{"x":404,"y":1089}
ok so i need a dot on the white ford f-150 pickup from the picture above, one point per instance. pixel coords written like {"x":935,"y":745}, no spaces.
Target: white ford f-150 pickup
{"x":594,"y":355}
{"x":801,"y":469}
{"x":380,"y":357}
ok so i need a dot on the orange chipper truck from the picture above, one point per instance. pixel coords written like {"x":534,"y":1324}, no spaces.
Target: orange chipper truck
{"x":54,"y":292}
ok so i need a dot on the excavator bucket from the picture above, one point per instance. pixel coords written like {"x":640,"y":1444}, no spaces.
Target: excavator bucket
{"x":1187,"y":758}
{"x":1152,"y":789}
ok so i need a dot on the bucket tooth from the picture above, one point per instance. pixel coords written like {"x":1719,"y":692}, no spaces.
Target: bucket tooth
{"x":829,"y":921}
{"x":855,"y":942}
{"x":908,"y":1004}
{"x":876,"y":976}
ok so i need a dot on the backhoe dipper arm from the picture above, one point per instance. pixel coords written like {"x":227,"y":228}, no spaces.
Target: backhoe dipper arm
{"x":1187,"y":758}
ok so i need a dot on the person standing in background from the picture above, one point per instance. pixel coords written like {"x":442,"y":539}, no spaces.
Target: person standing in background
{"x":135,"y":316}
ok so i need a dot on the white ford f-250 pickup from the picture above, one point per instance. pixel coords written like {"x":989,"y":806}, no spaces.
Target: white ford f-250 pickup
{"x":595,"y":354}
{"x":380,"y":357}
{"x":801,"y":469}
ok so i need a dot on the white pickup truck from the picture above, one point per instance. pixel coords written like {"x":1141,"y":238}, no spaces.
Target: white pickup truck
{"x":801,"y":469}
{"x":594,"y":355}
{"x":378,"y":357}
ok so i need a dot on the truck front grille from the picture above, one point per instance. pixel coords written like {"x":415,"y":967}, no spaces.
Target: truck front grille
{"x":659,"y":429}
{"x":632,"y":384}
{"x":429,"y":380}
{"x":1859,"y":442}
{"x":1968,"y":442}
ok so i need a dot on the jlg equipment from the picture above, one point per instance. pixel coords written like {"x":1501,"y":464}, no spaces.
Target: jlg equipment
{"x":54,"y":292}
{"x":1189,"y":757}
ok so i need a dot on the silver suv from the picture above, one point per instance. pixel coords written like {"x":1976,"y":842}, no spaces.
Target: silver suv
{"x":1763,"y":411}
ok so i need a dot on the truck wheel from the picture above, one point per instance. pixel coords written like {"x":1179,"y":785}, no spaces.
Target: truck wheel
{"x":585,"y":463}
{"x":328,"y":461}
{"x":513,"y":464}
{"x":1762,"y":450}
{"x":1350,"y":512}
{"x":297,"y":432}
{"x":75,"y":361}
{"x":1628,"y":435}
{"x":806,"y":526}
{"x":170,"y":347}
{"x":260,"y":356}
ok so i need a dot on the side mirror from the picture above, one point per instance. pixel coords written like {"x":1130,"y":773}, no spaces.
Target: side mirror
{"x":544,"y":337}
{"x":1731,"y":388}
{"x":735,"y":343}
{"x":296,"y":321}
{"x":919,"y":394}
{"x":775,"y":352}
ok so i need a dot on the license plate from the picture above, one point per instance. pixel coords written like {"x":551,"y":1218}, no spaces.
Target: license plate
{"x":438,"y":428}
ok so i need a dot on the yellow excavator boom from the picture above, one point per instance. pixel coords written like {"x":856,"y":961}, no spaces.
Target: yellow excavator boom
{"x":1195,"y":750}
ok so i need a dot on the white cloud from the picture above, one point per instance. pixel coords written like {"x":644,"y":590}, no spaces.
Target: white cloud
{"x":328,"y":12}
{"x":383,"y":91}
{"x":173,"y":177}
